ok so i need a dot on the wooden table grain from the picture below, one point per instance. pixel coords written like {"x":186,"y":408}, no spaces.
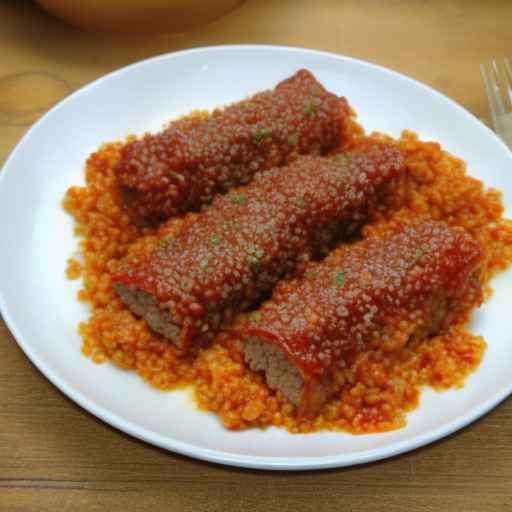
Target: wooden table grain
{"x":54,"y":456}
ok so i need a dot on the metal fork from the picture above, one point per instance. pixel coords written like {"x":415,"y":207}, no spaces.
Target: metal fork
{"x":497,"y":77}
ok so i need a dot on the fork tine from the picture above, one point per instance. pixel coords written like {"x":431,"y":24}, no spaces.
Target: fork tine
{"x":503,"y":84}
{"x":495,"y":106}
{"x":508,"y":68}
{"x":497,"y":78}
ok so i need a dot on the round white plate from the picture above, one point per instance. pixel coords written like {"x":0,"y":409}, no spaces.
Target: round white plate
{"x":40,"y":306}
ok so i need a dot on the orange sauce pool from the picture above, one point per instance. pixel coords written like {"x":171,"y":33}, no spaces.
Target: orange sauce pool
{"x":379,"y":387}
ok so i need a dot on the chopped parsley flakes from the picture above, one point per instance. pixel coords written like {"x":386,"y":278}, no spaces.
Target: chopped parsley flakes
{"x":255,"y":316}
{"x":310,"y":108}
{"x":339,"y":278}
{"x":343,"y":158}
{"x":261,"y":134}
{"x":418,"y":254}
{"x":293,"y":139}
{"x":238,"y":199}
{"x":214,"y":241}
{"x":300,"y":202}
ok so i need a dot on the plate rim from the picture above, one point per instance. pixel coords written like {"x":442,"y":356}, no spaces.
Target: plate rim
{"x":218,"y":456}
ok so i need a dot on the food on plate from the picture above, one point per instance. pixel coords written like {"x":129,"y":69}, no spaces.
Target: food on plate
{"x":379,"y":292}
{"x":181,"y":168}
{"x":222,"y":260}
{"x":428,"y":215}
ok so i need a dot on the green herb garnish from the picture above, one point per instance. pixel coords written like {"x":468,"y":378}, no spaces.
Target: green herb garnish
{"x":169,"y":237}
{"x":187,"y":285}
{"x":238,"y":199}
{"x":343,"y":158}
{"x":253,"y":260}
{"x":262,"y":133}
{"x":256,"y":253}
{"x":310,"y":108}
{"x":293,"y":139}
{"x":255,"y":316}
{"x":339,"y":278}
{"x":418,"y":254}
{"x":256,"y":250}
{"x":214,"y":241}
{"x":300,"y":202}
{"x":309,"y":274}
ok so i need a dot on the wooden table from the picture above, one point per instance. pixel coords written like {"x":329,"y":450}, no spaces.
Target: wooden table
{"x":54,"y":456}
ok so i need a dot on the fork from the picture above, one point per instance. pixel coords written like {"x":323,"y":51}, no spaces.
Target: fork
{"x":497,"y":77}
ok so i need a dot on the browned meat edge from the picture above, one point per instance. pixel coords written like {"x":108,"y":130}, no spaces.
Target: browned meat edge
{"x":283,"y":375}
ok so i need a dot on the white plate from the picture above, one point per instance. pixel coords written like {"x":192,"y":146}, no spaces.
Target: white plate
{"x":39,"y":304}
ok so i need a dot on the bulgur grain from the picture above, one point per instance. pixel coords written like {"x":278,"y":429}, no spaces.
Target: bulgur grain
{"x":379,"y":386}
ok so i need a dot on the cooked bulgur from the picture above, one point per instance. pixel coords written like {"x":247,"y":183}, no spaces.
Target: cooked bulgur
{"x":377,"y":387}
